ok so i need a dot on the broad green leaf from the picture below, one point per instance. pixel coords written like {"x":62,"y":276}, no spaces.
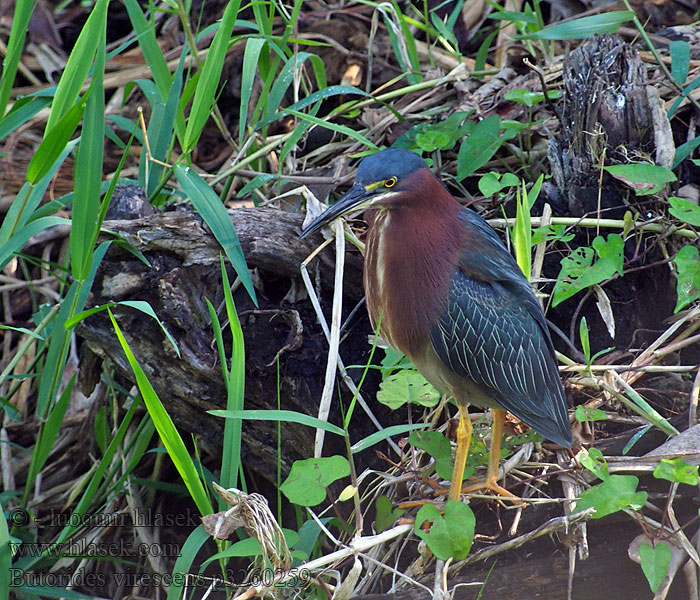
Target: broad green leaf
{"x":438,"y":446}
{"x":493,"y":182}
{"x":407,"y":386}
{"x":680,"y":60}
{"x":676,"y":470}
{"x":209,"y":78}
{"x":386,"y":514}
{"x":584,"y":414}
{"x":687,"y":262}
{"x":685,"y":210}
{"x":578,"y":271}
{"x":448,"y":536}
{"x":583,"y":27}
{"x":616,"y":493}
{"x":482,"y":143}
{"x":212,"y":210}
{"x":594,"y":461}
{"x":655,"y":562}
{"x":643,"y":178}
{"x":308,"y":479}
{"x":551,"y":233}
{"x":529,"y":98}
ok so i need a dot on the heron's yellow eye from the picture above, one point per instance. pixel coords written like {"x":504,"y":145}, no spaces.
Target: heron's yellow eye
{"x":391,"y":182}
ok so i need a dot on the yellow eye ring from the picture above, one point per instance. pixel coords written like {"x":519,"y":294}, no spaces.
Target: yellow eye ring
{"x":391,"y":182}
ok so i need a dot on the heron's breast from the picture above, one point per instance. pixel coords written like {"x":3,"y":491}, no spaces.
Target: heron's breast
{"x":408,"y":266}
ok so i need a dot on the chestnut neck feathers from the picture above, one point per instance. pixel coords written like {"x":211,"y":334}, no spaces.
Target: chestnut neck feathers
{"x":413,"y":247}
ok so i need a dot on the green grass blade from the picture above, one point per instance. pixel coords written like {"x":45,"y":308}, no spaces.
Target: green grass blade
{"x":583,"y":27}
{"x":250,"y":62}
{"x":5,"y":558}
{"x":380,"y":436}
{"x":166,"y":429}
{"x":19,"y":239}
{"x":23,"y":110}
{"x":160,"y":131}
{"x":342,"y":129}
{"x":152,"y":53}
{"x":231,"y":458}
{"x":141,"y":305}
{"x":49,"y":432}
{"x":78,"y":65}
{"x":288,"y":416}
{"x":522,"y":232}
{"x":55,"y":141}
{"x":209,"y":206}
{"x":15,"y":43}
{"x":209,"y":79}
{"x":185,"y":561}
{"x":88,"y":170}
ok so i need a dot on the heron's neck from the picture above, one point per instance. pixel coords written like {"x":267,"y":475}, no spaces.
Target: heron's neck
{"x":412,"y":252}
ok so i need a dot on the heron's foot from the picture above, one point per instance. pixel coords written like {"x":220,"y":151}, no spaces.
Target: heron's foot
{"x":492,"y":485}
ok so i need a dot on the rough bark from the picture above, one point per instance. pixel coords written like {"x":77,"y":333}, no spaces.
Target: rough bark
{"x":184,"y":270}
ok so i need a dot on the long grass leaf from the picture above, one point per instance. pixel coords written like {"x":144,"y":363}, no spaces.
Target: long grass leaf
{"x":166,"y":428}
{"x":78,"y":65}
{"x":250,"y":62}
{"x":288,"y":416}
{"x":5,"y":558}
{"x":152,"y":53}
{"x":20,"y":238}
{"x":380,"y":436}
{"x":22,"y":110}
{"x":333,"y":127}
{"x":13,"y":54}
{"x":140,"y":305}
{"x":583,"y":27}
{"x":185,"y":561}
{"x":231,"y":459}
{"x":55,"y":142}
{"x":49,"y":432}
{"x":209,"y":206}
{"x":209,"y":79}
{"x":88,"y":170}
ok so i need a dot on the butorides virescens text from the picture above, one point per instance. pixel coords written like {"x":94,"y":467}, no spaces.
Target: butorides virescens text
{"x":447,"y":293}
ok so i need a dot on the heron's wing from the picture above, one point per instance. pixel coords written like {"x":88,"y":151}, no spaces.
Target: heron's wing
{"x":493,"y":332}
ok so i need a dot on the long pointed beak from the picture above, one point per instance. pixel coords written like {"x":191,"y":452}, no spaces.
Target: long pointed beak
{"x":354,"y":199}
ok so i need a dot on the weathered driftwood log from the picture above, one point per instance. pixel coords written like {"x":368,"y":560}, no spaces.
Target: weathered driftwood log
{"x":609,"y":115}
{"x":184,"y":270}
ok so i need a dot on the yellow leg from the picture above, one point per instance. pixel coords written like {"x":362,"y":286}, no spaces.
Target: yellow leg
{"x":464,"y":438}
{"x":490,"y":483}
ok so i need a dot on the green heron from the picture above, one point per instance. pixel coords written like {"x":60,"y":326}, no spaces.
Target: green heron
{"x":447,"y":293}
